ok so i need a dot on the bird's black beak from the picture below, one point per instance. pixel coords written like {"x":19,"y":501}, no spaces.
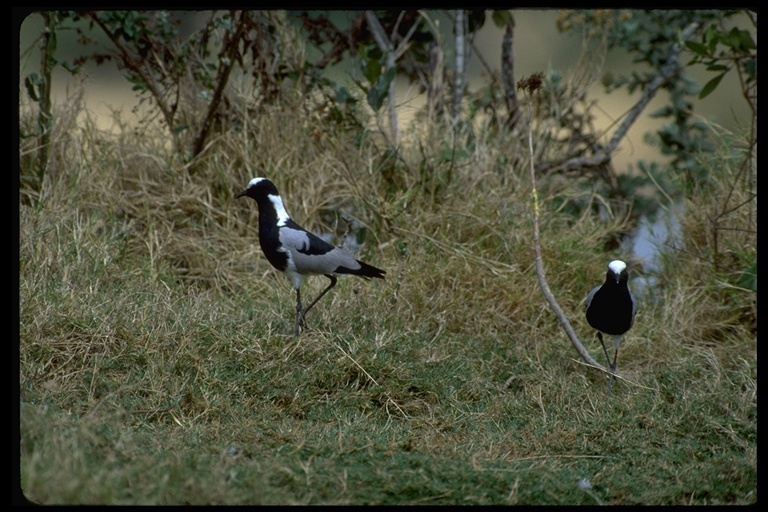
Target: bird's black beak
{"x":240,"y":194}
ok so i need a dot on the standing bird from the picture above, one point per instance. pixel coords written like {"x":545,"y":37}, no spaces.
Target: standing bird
{"x":297,"y":252}
{"x":610,"y":308}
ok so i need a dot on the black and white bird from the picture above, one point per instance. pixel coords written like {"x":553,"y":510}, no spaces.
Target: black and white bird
{"x":610,"y":308}
{"x":297,"y":252}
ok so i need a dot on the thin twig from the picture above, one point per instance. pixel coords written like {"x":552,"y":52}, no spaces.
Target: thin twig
{"x":605,"y":370}
{"x":539,"y":260}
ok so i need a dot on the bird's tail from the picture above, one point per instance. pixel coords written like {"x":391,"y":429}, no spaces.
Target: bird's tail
{"x":365,"y":270}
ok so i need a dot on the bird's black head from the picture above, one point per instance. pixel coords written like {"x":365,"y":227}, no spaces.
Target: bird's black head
{"x":258,"y":188}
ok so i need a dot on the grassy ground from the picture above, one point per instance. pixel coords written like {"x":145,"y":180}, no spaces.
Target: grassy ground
{"x":157,"y":365}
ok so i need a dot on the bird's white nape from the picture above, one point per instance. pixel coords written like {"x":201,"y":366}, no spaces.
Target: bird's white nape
{"x":253,"y":182}
{"x":282,"y":215}
{"x":617,"y":266}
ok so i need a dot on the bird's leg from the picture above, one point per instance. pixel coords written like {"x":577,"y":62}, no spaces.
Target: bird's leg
{"x":616,"y":341}
{"x":608,"y":358}
{"x":299,"y":314}
{"x":600,"y":337}
{"x":613,"y":373}
{"x":333,"y":283}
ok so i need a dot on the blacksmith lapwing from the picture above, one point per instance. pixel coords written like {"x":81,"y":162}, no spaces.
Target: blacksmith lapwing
{"x":610,"y":308}
{"x":297,"y":252}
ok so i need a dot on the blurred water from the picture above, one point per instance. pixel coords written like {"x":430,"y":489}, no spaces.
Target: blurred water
{"x":655,"y":234}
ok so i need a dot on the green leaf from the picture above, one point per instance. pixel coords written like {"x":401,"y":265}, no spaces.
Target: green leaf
{"x":748,"y":278}
{"x":502,"y":18}
{"x":375,"y":99}
{"x":344,"y":96}
{"x":739,"y":40}
{"x":379,"y":91}
{"x":710,"y":86}
{"x":747,"y":43}
{"x":32,"y":82}
{"x":361,"y":235}
{"x":711,"y":38}
{"x":371,"y":70}
{"x":750,"y":68}
{"x":72,"y":68}
{"x":697,"y":48}
{"x":389,"y":76}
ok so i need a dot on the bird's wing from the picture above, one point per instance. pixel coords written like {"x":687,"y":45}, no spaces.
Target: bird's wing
{"x":298,"y":239}
{"x":591,"y":294}
{"x":328,"y":263}
{"x":313,"y":255}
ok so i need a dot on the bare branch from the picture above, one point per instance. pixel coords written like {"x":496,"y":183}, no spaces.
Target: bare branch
{"x":386,"y":46}
{"x":435,"y":91}
{"x":671,"y":68}
{"x":400,"y":50}
{"x":603,"y":155}
{"x":378,"y":32}
{"x":458,"y":83}
{"x":548,"y":295}
{"x":135,"y":66}
{"x":508,"y":73}
{"x":227,"y":59}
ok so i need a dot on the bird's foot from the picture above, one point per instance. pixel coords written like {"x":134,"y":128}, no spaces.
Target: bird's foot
{"x":612,"y":377}
{"x":302,"y":320}
{"x":301,"y":323}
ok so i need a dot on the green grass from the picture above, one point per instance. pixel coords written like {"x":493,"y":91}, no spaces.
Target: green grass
{"x":157,"y":362}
